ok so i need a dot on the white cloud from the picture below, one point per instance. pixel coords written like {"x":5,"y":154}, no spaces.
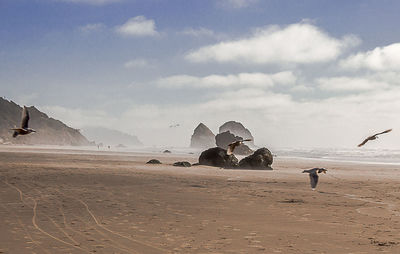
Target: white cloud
{"x":91,"y":27}
{"x":242,"y":79}
{"x":236,"y":4}
{"x":137,"y":63}
{"x":301,"y":88}
{"x":92,"y":2}
{"x":300,"y":43}
{"x":138,"y":26}
{"x":378,"y":59}
{"x":275,"y":119}
{"x":199,"y":32}
{"x":78,"y":118}
{"x":350,"y":84}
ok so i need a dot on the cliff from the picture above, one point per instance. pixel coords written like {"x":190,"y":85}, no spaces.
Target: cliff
{"x":49,"y":131}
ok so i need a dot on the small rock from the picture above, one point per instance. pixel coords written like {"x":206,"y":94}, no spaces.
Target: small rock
{"x":153,"y":161}
{"x":182,"y":164}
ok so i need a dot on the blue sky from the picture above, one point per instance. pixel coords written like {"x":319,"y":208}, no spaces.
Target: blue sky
{"x":296,"y":73}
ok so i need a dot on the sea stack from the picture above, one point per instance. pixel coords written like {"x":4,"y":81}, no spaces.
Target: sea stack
{"x":237,"y":129}
{"x":224,"y":139}
{"x":202,"y":137}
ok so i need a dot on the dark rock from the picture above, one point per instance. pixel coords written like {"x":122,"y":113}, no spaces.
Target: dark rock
{"x":202,"y":137}
{"x":237,"y":129}
{"x":218,"y":157}
{"x":182,"y":164}
{"x":166,"y":151}
{"x":260,"y":159}
{"x":153,"y":161}
{"x":226,"y":138}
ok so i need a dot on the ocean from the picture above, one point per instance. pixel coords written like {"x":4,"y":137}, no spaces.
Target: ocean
{"x":363,"y":155}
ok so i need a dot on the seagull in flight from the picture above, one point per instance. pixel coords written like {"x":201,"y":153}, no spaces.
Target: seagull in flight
{"x":313,"y":173}
{"x":23,"y":130}
{"x":233,"y":145}
{"x":373,"y":137}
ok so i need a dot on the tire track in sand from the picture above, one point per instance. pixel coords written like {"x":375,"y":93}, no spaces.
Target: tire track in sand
{"x":117,"y":246}
{"x":34,"y":208}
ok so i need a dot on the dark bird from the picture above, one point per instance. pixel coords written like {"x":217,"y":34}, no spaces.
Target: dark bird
{"x":373,"y":137}
{"x":233,"y":145}
{"x":174,"y":125}
{"x":23,"y":130}
{"x":313,"y":173}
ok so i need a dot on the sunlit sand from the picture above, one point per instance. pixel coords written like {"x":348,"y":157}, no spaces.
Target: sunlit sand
{"x":58,"y":201}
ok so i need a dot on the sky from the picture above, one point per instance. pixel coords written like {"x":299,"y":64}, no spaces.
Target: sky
{"x":296,"y":73}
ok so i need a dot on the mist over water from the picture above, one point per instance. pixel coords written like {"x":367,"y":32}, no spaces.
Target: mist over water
{"x":364,"y":155}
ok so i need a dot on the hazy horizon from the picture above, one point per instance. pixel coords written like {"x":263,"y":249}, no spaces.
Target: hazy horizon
{"x":295,"y":73}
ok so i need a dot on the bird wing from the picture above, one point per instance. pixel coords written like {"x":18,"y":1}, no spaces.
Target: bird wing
{"x":232,"y":146}
{"x":24,"y":118}
{"x":365,"y":141}
{"x":313,"y":180}
{"x":386,"y":131}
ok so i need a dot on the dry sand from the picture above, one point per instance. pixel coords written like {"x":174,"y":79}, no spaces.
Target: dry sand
{"x":63,"y":201}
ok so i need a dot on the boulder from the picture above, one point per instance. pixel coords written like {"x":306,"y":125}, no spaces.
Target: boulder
{"x":166,"y":151}
{"x":237,"y":129}
{"x":153,"y":161}
{"x":260,"y":159}
{"x":202,"y":137}
{"x":185,"y":164}
{"x":224,"y":139}
{"x":218,"y":157}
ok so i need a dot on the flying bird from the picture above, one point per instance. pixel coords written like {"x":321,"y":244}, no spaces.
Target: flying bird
{"x":313,"y":173}
{"x":233,"y":145}
{"x":373,"y":137}
{"x":23,"y":130}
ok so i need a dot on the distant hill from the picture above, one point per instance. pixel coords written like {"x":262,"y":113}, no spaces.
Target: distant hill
{"x":110,"y":136}
{"x":49,"y":131}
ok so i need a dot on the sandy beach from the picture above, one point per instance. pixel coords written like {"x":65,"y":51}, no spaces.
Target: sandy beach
{"x":70,"y":201}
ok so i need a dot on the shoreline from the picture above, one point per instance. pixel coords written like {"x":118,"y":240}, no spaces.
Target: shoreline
{"x":180,"y":152}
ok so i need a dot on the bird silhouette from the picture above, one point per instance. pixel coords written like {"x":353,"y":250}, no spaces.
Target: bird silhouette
{"x":373,"y":137}
{"x":233,"y":145}
{"x":313,"y":173}
{"x":23,"y":130}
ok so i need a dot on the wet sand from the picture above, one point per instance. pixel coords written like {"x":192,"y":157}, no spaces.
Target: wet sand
{"x":64,"y":201}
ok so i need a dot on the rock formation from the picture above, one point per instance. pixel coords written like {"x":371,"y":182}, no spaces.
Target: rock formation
{"x":260,"y":159}
{"x":218,"y":157}
{"x":237,"y":129}
{"x":202,"y":137}
{"x":225,"y":138}
{"x":49,"y":131}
